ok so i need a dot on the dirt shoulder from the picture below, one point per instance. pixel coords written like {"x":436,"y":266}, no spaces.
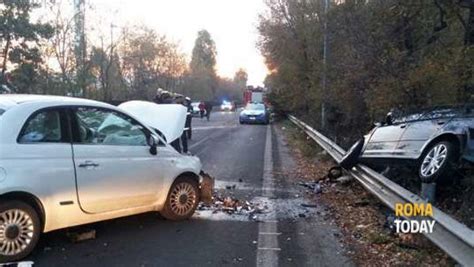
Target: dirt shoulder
{"x":361,"y":217}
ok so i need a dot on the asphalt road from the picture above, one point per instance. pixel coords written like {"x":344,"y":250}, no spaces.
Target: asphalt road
{"x":256,"y":160}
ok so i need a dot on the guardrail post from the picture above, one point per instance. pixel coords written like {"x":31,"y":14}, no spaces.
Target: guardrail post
{"x":428,"y":192}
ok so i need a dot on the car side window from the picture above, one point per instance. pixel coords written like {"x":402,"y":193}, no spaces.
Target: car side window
{"x":42,"y":127}
{"x":442,"y":113}
{"x":107,"y":127}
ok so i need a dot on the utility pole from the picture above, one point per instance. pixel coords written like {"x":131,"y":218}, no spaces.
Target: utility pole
{"x":80,"y":47}
{"x":324,"y":74}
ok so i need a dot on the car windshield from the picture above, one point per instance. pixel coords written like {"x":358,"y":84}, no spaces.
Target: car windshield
{"x":430,"y":114}
{"x":255,"y":107}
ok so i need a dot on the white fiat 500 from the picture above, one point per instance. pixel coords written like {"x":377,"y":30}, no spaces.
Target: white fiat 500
{"x":69,"y":161}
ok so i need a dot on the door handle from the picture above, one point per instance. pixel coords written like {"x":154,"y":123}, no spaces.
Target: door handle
{"x":403,"y":126}
{"x":441,"y":122}
{"x":88,"y":164}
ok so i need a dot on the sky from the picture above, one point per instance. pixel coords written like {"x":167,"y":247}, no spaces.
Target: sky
{"x":231,"y":23}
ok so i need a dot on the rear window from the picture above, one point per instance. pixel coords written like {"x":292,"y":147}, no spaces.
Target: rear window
{"x":43,"y":127}
{"x":255,"y":107}
{"x":2,"y":111}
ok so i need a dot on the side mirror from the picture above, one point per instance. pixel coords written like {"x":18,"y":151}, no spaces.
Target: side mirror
{"x":153,"y":143}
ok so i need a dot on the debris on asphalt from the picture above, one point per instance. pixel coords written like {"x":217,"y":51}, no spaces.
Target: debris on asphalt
{"x":344,"y":180}
{"x":230,"y":205}
{"x":360,"y":217}
{"x":315,"y":187}
{"x":335,"y":172}
{"x":80,"y":235}
{"x":230,"y":187}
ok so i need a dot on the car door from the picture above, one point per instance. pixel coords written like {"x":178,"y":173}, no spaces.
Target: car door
{"x":114,"y":167}
{"x":43,"y":157}
{"x":418,"y":132}
{"x":383,"y":140}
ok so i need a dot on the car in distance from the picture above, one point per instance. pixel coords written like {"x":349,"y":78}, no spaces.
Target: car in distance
{"x":227,"y":106}
{"x":68,"y":161}
{"x":435,"y":140}
{"x":254,"y":113}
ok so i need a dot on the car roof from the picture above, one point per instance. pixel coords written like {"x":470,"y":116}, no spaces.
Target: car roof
{"x":9,"y":100}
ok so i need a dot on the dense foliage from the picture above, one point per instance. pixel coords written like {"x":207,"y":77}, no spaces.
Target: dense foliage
{"x":129,"y":62}
{"x":380,"y":54}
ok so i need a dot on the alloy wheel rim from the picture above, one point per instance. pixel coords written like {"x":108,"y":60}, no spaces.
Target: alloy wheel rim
{"x":434,"y":160}
{"x":16,"y":231}
{"x":183,"y":198}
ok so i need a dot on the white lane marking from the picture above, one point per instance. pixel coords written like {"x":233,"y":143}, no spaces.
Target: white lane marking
{"x":228,"y":185}
{"x":200,"y":142}
{"x":213,"y":127}
{"x":269,"y":233}
{"x":205,"y":138}
{"x":268,"y":244}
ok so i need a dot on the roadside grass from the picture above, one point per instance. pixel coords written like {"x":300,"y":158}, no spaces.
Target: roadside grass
{"x":360,"y":216}
{"x":299,"y":140}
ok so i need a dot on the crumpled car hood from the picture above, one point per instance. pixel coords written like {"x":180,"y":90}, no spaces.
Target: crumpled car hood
{"x":169,"y":119}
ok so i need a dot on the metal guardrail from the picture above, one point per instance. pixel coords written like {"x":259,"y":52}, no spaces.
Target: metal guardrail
{"x":453,"y":237}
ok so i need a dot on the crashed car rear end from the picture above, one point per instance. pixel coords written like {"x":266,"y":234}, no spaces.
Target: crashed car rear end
{"x":435,"y":141}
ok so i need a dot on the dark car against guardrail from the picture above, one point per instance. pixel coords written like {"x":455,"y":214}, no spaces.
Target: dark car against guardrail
{"x":436,"y":140}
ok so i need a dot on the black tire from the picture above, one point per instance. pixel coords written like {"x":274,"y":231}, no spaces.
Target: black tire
{"x":32,"y":221}
{"x":171,"y":209}
{"x":351,"y":158}
{"x":444,"y":170}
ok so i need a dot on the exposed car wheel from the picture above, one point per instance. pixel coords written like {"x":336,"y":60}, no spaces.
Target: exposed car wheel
{"x":437,"y":161}
{"x":351,"y":157}
{"x":19,"y":230}
{"x":182,"y":200}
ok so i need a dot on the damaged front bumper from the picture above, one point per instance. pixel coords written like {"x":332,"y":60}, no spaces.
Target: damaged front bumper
{"x":206,"y":186}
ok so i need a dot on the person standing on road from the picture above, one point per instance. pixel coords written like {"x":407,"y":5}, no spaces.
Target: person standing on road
{"x":185,"y":101}
{"x":189,"y":117}
{"x":208,"y":108}
{"x":201,"y":107}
